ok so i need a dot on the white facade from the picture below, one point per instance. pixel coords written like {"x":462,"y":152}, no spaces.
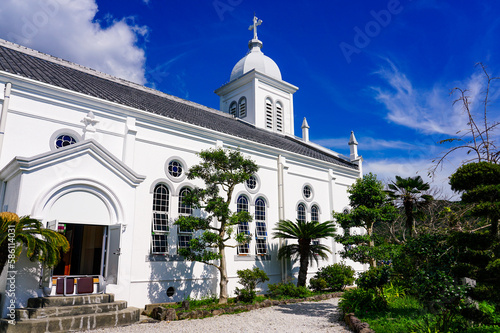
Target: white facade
{"x":107,"y":179}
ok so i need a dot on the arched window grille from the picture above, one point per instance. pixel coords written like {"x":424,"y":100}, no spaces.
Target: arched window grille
{"x":243,"y":227}
{"x":260,"y":227}
{"x":161,"y":200}
{"x":184,"y":235}
{"x":301,"y":212}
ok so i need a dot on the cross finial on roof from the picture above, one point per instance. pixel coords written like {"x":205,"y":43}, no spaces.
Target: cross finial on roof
{"x":253,"y":27}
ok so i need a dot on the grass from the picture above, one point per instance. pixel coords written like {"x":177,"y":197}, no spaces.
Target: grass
{"x":405,"y":314}
{"x":402,"y":314}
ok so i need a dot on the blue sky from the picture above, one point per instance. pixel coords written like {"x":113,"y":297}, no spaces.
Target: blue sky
{"x":383,"y":69}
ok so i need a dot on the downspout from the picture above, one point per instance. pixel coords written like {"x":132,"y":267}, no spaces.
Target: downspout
{"x":281,"y":211}
{"x":3,"y":116}
{"x":3,"y":121}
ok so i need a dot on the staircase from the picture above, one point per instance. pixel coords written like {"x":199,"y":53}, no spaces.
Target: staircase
{"x":71,"y":313}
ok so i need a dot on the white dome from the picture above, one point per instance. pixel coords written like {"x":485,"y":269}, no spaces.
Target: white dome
{"x":255,"y":59}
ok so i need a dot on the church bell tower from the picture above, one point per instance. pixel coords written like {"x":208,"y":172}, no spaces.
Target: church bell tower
{"x":256,"y":92}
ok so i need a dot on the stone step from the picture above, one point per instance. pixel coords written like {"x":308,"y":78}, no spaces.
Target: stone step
{"x":74,"y":323}
{"x":73,"y":310}
{"x":44,"y":302}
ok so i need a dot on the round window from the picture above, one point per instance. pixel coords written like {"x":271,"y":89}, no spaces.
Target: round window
{"x":175,"y":168}
{"x":170,"y":291}
{"x":307,"y":192}
{"x":252,"y":182}
{"x":64,"y":140}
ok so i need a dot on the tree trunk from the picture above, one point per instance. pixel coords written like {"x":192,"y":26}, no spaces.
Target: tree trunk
{"x":223,"y":275}
{"x":304,"y":261}
{"x":369,"y":230}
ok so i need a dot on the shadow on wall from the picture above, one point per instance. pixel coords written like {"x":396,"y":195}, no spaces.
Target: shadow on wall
{"x":21,"y":282}
{"x":179,"y":275}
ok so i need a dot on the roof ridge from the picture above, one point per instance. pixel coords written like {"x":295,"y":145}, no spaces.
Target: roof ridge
{"x":109,"y":77}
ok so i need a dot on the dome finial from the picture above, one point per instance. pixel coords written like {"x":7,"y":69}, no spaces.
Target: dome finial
{"x":255,"y":42}
{"x":256,"y":22}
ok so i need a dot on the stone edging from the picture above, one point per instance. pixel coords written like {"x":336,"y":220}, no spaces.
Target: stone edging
{"x":357,"y":325}
{"x":159,"y":312}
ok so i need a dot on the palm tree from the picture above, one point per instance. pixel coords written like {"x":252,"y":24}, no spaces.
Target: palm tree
{"x":41,"y":244}
{"x":305,"y":249}
{"x":410,"y":194}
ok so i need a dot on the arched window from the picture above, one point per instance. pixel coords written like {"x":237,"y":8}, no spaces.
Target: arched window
{"x":184,"y":209}
{"x":279,"y":117}
{"x":260,"y":227}
{"x":315,"y":218}
{"x":242,"y":107}
{"x":232,"y":109}
{"x":161,"y":200}
{"x":242,"y":206}
{"x":301,"y":212}
{"x":315,"y":213}
{"x":184,"y":235}
{"x":269,"y":113}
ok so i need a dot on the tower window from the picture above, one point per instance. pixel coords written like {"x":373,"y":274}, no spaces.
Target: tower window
{"x":279,"y":117}
{"x":232,"y":109}
{"x":269,"y":114}
{"x":242,"y":108}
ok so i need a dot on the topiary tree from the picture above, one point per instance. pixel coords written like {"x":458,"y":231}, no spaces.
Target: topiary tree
{"x":41,"y":244}
{"x":304,"y":250}
{"x":479,"y":183}
{"x":220,"y":169}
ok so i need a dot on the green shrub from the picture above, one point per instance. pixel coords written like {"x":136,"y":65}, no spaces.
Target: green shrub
{"x":361,"y":300}
{"x":375,"y":278}
{"x":337,"y":276}
{"x":246,"y":296}
{"x":318,"y":284}
{"x":249,"y":278}
{"x":281,"y":290}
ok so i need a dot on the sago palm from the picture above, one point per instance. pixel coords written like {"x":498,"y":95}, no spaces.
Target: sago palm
{"x":410,"y":194}
{"x":305,"y":250}
{"x":41,"y":244}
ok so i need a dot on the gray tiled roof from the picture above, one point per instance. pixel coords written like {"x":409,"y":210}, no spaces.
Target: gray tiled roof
{"x":44,"y":68}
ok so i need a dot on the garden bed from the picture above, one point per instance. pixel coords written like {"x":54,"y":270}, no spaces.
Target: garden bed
{"x":176,"y":311}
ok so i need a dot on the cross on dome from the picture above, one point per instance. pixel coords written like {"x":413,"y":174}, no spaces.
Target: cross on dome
{"x":256,"y":22}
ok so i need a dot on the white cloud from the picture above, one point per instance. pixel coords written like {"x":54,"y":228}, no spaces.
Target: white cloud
{"x":67,"y":29}
{"x":387,"y":169}
{"x":367,"y":143}
{"x":430,"y":110}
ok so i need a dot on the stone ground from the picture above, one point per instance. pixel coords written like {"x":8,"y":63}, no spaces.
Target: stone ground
{"x":302,"y":317}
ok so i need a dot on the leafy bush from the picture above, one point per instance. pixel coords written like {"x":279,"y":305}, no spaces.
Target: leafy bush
{"x":280,"y":290}
{"x":318,"y":284}
{"x":337,"y":276}
{"x":361,"y":300}
{"x":249,"y":278}
{"x":375,"y":278}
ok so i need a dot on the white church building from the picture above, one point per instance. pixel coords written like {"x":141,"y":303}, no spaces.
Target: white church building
{"x":104,"y":161}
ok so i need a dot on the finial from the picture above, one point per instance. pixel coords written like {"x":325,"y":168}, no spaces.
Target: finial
{"x":256,"y":22}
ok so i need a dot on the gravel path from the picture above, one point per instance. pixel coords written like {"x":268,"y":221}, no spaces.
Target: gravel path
{"x":319,"y":316}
